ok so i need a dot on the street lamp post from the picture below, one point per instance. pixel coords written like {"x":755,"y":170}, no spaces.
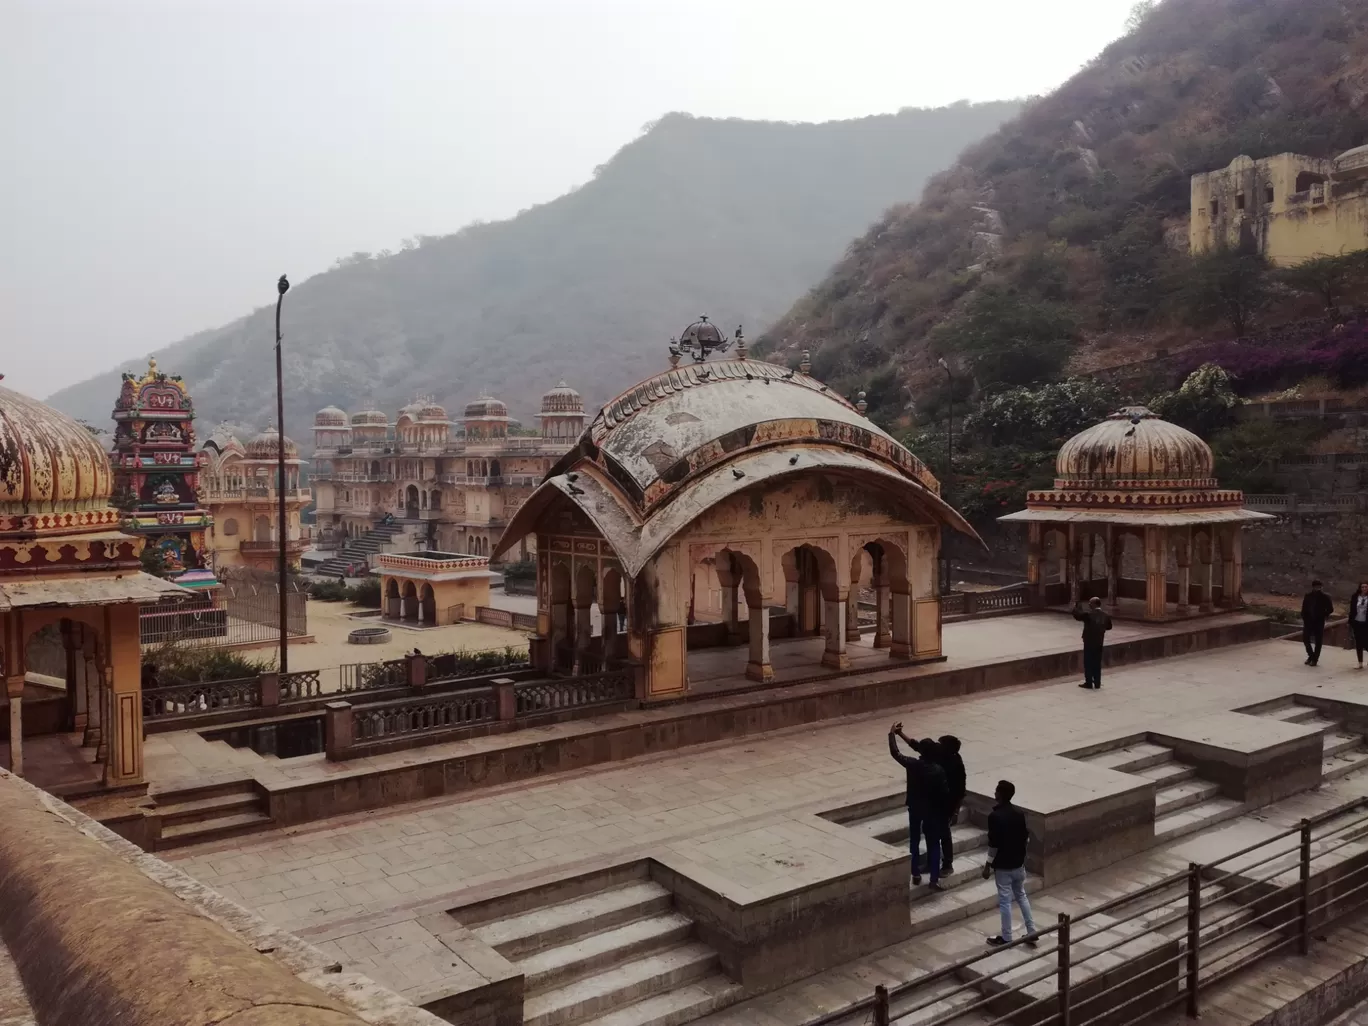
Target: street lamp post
{"x":282,"y":287}
{"x":949,"y":468}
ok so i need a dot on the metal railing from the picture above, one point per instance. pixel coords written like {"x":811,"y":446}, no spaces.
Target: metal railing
{"x":1191,"y":931}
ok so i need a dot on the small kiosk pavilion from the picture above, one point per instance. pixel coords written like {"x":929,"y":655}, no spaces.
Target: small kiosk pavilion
{"x":1135,"y":476}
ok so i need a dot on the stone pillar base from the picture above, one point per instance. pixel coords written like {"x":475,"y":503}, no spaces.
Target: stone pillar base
{"x":900,"y":650}
{"x":762,"y":672}
{"x":883,"y":640}
{"x":852,"y":634}
{"x":836,"y":660}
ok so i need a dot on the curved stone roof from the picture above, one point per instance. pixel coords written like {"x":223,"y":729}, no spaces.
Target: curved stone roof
{"x":370,"y":418}
{"x":432,"y":413}
{"x":48,"y":461}
{"x":331,"y":416}
{"x":1135,"y":448}
{"x":664,"y":452}
{"x":266,"y":445}
{"x":562,"y":400}
{"x":486,"y":407}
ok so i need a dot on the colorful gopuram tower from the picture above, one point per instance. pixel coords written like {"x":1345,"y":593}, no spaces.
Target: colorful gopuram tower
{"x":156,"y":470}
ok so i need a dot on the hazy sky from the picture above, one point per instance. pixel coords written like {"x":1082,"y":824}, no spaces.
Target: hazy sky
{"x":164,"y":162}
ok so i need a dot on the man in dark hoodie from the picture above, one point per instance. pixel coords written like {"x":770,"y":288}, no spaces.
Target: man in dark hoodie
{"x":945,"y":752}
{"x":927,"y":795}
{"x":1096,"y":623}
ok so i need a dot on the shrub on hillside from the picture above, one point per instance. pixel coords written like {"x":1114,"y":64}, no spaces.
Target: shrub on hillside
{"x":1041,"y":417}
{"x":1205,"y":403}
{"x":1009,"y":337}
{"x":1340,"y":355}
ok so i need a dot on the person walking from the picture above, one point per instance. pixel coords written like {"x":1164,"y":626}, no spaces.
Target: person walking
{"x":926,"y":801}
{"x":1096,"y":623}
{"x":1007,"y":838}
{"x":1316,"y":609}
{"x":1358,"y":619}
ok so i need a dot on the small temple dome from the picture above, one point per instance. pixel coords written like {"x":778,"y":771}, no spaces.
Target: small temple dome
{"x":485,"y":406}
{"x":330,"y":416}
{"x":223,"y":442}
{"x":370,"y":418}
{"x":265,"y":446}
{"x":48,"y":461}
{"x":432,"y":412}
{"x":1135,"y":445}
{"x":562,"y":399}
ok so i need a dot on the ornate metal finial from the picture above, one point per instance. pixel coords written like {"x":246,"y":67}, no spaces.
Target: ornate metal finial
{"x":860,"y":403}
{"x":741,"y":347}
{"x":698,"y":340}
{"x":805,"y":364}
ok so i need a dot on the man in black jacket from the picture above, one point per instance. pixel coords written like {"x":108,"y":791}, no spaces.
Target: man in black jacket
{"x":1316,"y":609}
{"x":1096,"y":623}
{"x":1007,"y":839}
{"x":945,"y":752}
{"x":926,"y":801}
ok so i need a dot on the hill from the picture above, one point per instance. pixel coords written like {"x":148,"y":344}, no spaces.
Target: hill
{"x":1059,"y":244}
{"x":726,"y":217}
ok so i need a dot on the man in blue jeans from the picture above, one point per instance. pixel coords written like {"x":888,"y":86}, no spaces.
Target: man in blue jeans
{"x":926,"y":807}
{"x":1007,"y":837}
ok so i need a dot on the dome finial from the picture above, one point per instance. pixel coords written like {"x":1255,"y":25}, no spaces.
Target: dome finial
{"x":860,"y":403}
{"x":805,"y":364}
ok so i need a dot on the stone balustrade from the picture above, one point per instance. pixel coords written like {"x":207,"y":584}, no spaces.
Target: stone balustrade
{"x":395,"y":561}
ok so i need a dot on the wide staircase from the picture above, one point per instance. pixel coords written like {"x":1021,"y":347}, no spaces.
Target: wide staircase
{"x":1343,"y":750}
{"x":211,"y":813}
{"x":610,"y":950}
{"x":359,"y":550}
{"x":1183,"y":801}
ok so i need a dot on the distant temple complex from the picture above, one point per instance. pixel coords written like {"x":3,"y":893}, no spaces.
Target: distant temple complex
{"x":156,"y":468}
{"x":239,"y":487}
{"x":451,"y":486}
{"x":1290,"y":207}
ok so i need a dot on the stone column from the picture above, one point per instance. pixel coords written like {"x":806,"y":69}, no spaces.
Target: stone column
{"x":901,"y":604}
{"x":14,"y":690}
{"x":1115,"y":546}
{"x":809,"y":614}
{"x":94,"y":703}
{"x":730,"y":613}
{"x":1232,"y":568}
{"x":1034,"y":584}
{"x":79,"y":686}
{"x":1204,"y":579}
{"x":1071,"y":565}
{"x":882,"y":637}
{"x":584,"y":636}
{"x":1156,"y":573}
{"x":1182,"y":551}
{"x":107,"y":724}
{"x":758,"y":666}
{"x":852,"y":617}
{"x":835,"y":655}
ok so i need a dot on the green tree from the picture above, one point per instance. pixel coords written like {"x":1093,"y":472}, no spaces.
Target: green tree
{"x":1008,"y":337}
{"x":1329,"y":278}
{"x":1225,"y":284}
{"x":1205,"y":403}
{"x":1248,"y":453}
{"x":1139,"y":11}
{"x":1041,"y":417}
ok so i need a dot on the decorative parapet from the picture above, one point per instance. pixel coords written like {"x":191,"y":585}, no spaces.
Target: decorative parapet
{"x":428,"y":563}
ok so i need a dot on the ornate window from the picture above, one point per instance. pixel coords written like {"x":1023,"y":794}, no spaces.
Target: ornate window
{"x":230,"y":527}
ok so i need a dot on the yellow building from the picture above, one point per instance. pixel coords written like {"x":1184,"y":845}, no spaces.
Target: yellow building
{"x":238,"y":486}
{"x":70,"y":587}
{"x":1290,"y":207}
{"x":429,"y":482}
{"x":433,"y":588}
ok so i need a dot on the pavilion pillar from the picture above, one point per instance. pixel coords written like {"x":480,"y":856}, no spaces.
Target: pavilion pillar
{"x":882,"y":637}
{"x":809,"y":608}
{"x":584,"y":637}
{"x":74,"y":665}
{"x":1071,"y":565}
{"x":94,"y":707}
{"x":1115,"y":546}
{"x":123,"y":734}
{"x":1035,"y":590}
{"x":758,"y":666}
{"x":852,"y":617}
{"x":1232,"y":568}
{"x":1204,"y":581}
{"x":730,"y":613}
{"x":1182,"y":550}
{"x":1156,"y":573}
{"x":901,"y":605}
{"x":107,"y":725}
{"x":835,"y":655}
{"x":14,"y":690}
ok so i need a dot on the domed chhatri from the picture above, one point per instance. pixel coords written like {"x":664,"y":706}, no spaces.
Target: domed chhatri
{"x":266,"y":446}
{"x":49,"y":463}
{"x":486,"y":407}
{"x":1135,"y":447}
{"x":370,"y":418}
{"x":330,"y":416}
{"x":562,"y":399}
{"x":1136,"y":474}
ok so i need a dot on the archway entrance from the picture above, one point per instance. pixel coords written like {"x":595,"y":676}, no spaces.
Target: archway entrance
{"x":408,"y":609}
{"x":393,"y":603}
{"x":427,"y":606}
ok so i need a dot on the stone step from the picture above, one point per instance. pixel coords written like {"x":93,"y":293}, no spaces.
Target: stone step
{"x":619,"y":986}
{"x":1138,"y":756}
{"x":550,"y":925}
{"x":213,"y":829}
{"x":1291,"y":713}
{"x":892,"y":828}
{"x":1234,"y":948}
{"x":1322,"y":723}
{"x":674,"y":1007}
{"x":555,"y":967}
{"x":1182,"y":795}
{"x":1345,"y":762}
{"x":1336,"y":742}
{"x":1196,"y":817}
{"x":242,"y":785}
{"x":938,"y":1010}
{"x":1166,"y":773}
{"x":199,"y":810}
{"x":972,"y":896}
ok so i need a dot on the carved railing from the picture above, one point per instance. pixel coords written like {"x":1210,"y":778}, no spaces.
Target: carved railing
{"x":191,"y":697}
{"x":525,"y":621}
{"x":408,"y":716}
{"x":393,"y":673}
{"x":573,"y":692}
{"x":295,"y":687}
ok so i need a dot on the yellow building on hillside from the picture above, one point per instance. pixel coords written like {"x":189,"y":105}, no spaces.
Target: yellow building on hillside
{"x":1291,"y":207}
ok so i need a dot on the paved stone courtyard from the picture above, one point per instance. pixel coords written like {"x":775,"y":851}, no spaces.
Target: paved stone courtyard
{"x":730,"y":806}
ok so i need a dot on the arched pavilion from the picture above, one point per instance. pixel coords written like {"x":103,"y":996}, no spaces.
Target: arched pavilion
{"x":762,"y":474}
{"x":1135,"y":476}
{"x":70,"y":587}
